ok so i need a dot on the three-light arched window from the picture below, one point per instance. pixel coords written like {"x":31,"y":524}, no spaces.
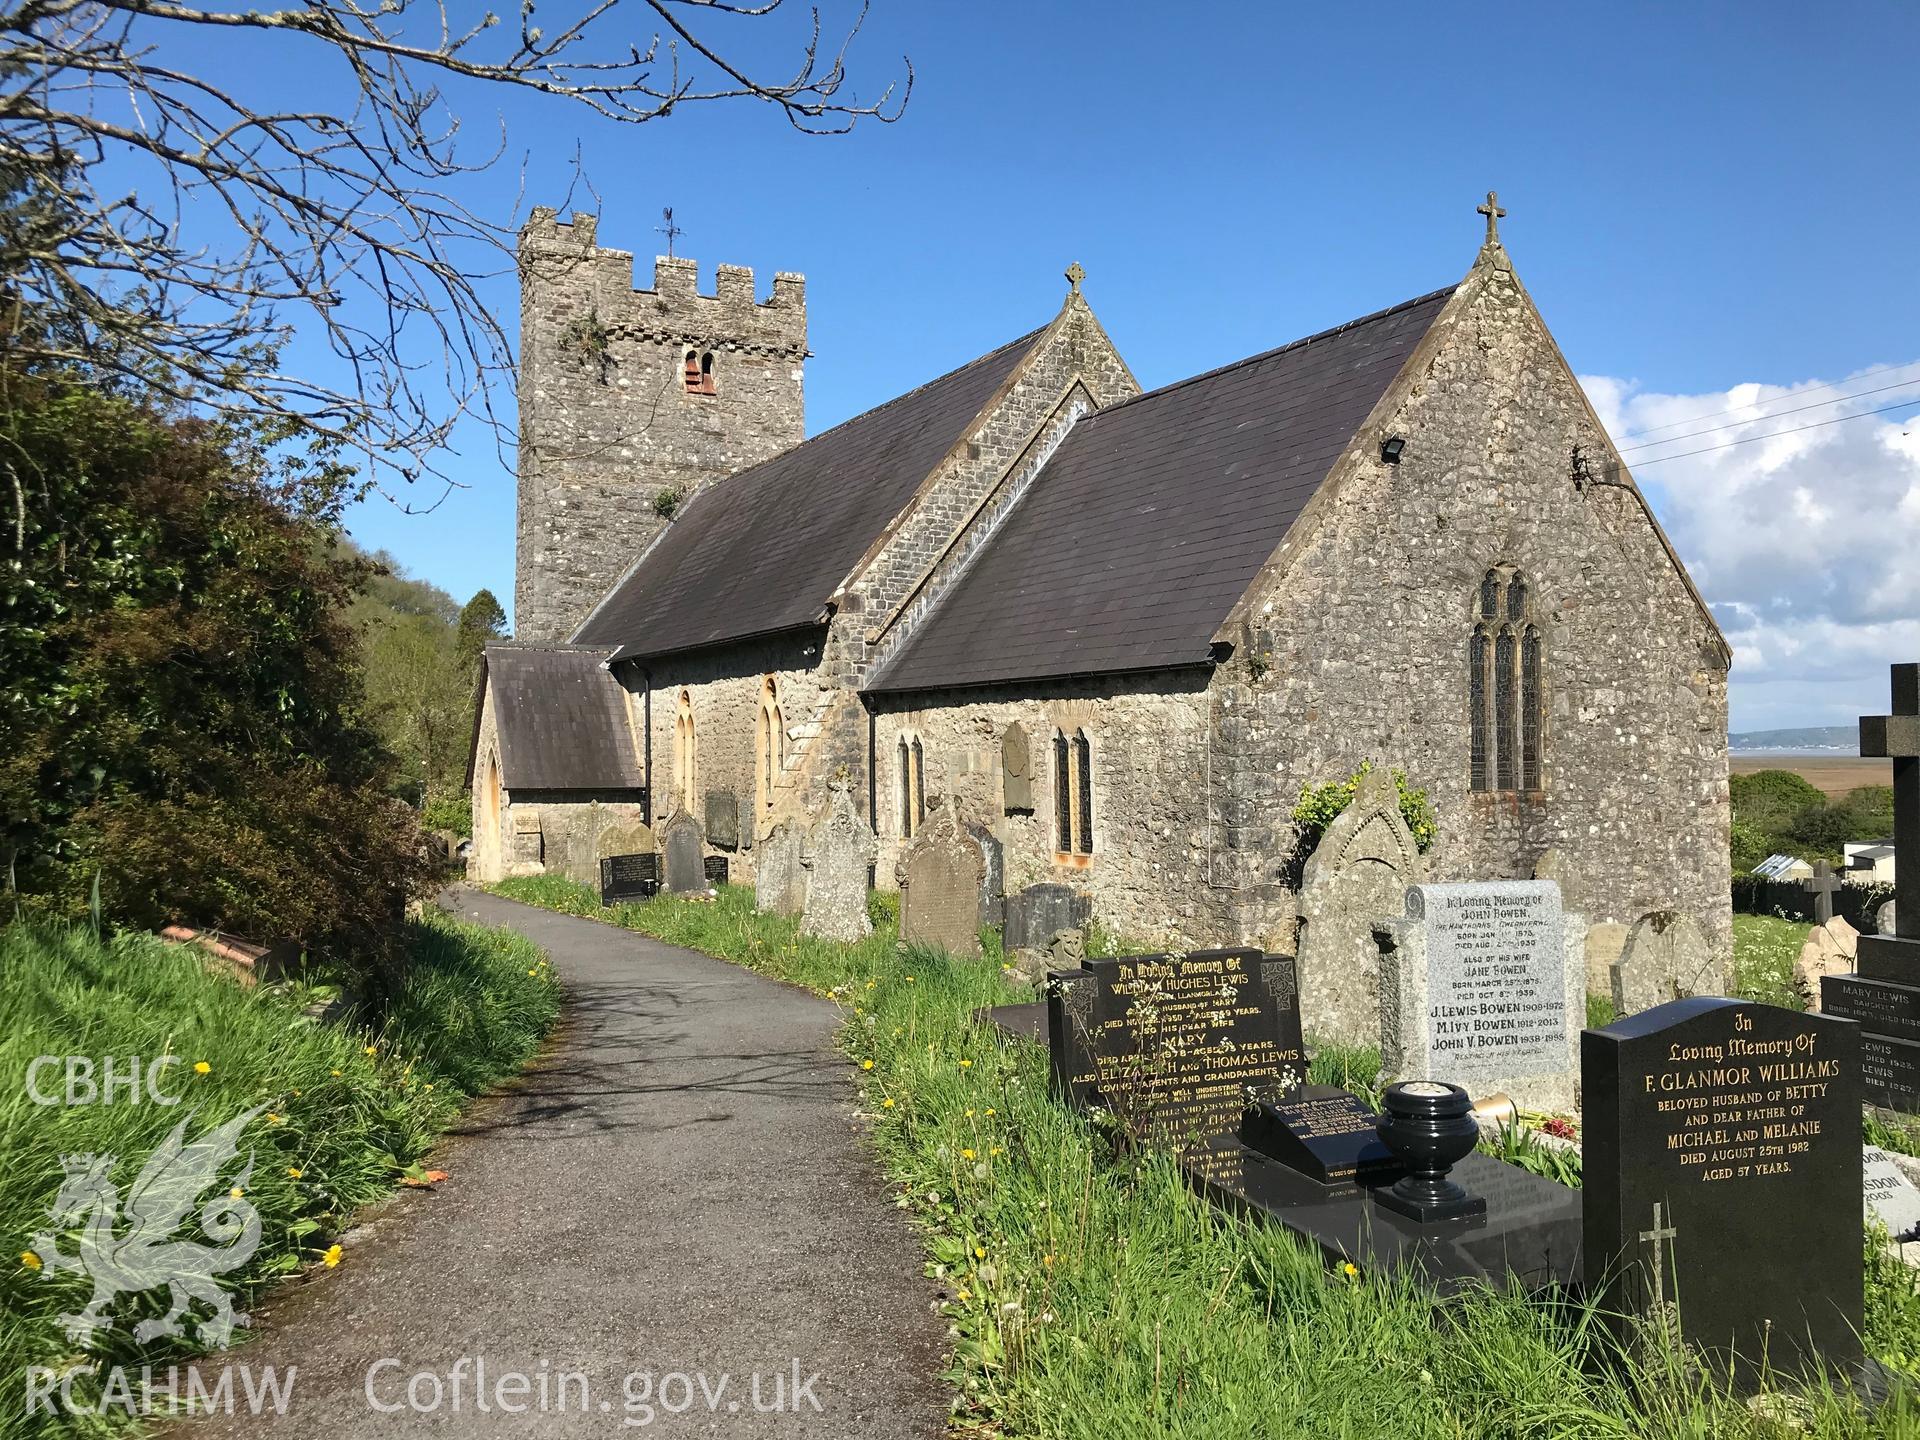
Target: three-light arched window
{"x":1505,"y":702}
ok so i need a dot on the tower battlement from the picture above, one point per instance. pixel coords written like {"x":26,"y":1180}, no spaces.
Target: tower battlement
{"x":631,"y":400}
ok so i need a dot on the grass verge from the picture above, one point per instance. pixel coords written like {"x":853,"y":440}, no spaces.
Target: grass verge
{"x":345,"y":1110}
{"x":1091,"y":1296}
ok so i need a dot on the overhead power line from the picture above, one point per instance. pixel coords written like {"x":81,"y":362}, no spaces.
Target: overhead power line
{"x":1774,"y":434}
{"x":1908,"y":384}
{"x":1736,"y":409}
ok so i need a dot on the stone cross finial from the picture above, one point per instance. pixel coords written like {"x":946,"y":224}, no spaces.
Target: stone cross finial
{"x":1074,"y":276}
{"x":1493,"y":212}
{"x":1897,"y":736}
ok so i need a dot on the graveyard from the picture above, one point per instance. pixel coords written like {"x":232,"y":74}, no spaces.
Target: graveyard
{"x":1141,"y":1183}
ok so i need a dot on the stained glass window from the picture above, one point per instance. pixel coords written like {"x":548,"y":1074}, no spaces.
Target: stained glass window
{"x":1477,"y":706}
{"x":1503,"y":710}
{"x":1530,"y":709}
{"x":1083,"y":768}
{"x":1062,"y":795}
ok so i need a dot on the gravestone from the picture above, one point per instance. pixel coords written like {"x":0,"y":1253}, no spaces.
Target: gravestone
{"x":683,"y":843}
{"x":625,"y":837}
{"x":723,"y":819}
{"x":1891,"y":1197}
{"x":1035,"y":913}
{"x":1829,"y":949}
{"x":1710,"y":1124}
{"x":839,"y":851}
{"x":716,"y":869}
{"x":1885,"y":918}
{"x":1328,"y":1135}
{"x":993,"y":886}
{"x":941,"y":873}
{"x":1358,"y":873}
{"x":1176,"y":1046}
{"x":779,"y":882}
{"x":1667,"y":957}
{"x":1483,"y":985}
{"x":1604,"y":945}
{"x":625,"y":878}
{"x":1016,"y":771}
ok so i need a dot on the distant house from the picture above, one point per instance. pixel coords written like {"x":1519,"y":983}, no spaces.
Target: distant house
{"x":1869,"y":862}
{"x":1783,"y":867}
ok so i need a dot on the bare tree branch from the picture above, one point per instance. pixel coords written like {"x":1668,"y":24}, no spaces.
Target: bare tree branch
{"x":342,"y":224}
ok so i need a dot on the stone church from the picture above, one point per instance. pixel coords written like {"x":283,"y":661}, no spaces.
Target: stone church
{"x":1121,"y":630}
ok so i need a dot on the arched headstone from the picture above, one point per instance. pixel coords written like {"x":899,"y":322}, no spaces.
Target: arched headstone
{"x":941,"y":875}
{"x":684,"y":844}
{"x":839,"y":850}
{"x":1357,"y":874}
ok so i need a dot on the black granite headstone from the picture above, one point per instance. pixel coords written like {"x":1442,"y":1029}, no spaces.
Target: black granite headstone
{"x":1034,"y":913}
{"x":629,"y":877}
{"x":1177,"y":1046}
{"x":1324,"y":1133}
{"x":1722,"y":1175}
{"x":716,"y":869}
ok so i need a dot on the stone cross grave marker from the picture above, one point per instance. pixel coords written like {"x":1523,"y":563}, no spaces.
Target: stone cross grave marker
{"x":1176,"y":1046}
{"x":941,"y":874}
{"x":684,"y":843}
{"x":1709,"y":1122}
{"x":1884,"y":994}
{"x":779,"y":881}
{"x":1483,"y":985}
{"x":839,"y":851}
{"x":1823,"y":884}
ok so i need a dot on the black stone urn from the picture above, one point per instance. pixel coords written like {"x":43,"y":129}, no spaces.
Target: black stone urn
{"x":1429,"y":1127}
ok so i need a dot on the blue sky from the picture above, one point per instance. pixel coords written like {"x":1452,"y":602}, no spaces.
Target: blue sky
{"x":1702,"y":198}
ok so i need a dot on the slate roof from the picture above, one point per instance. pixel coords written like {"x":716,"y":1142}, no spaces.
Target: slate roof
{"x":1154,"y":515}
{"x":562,"y":719}
{"x":764,"y":550}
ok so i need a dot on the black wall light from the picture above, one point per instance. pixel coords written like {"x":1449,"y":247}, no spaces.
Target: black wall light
{"x":1390,"y":449}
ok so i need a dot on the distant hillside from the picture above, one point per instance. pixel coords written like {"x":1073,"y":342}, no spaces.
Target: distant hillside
{"x":1844,"y":738}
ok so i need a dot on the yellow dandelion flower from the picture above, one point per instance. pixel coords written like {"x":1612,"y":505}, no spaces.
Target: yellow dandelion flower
{"x":964,"y":1295}
{"x":887,"y":1104}
{"x":429,"y":1085}
{"x":1047,"y":1261}
{"x":969,"y":1114}
{"x":532,"y":971}
{"x":332,"y":1257}
{"x":869,"y":984}
{"x":29,"y":1259}
{"x":966,"y":1154}
{"x":909,"y":979}
{"x":235,"y":1193}
{"x":998,"y":1150}
{"x":1349,"y":1269}
{"x":990,"y":1112}
{"x":295,"y":1171}
{"x":272,"y":1119}
{"x":866,"y":1064}
{"x":201,"y":1067}
{"x":979,"y":1252}
{"x":966,"y":1064}
{"x":296,"y":1092}
{"x":373,"y":1050}
{"x":336,"y":1074}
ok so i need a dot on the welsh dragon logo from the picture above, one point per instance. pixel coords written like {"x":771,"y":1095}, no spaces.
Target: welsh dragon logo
{"x":144,"y":1254}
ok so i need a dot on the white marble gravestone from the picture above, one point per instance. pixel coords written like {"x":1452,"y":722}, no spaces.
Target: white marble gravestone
{"x":1483,"y":985}
{"x":1890,"y":1196}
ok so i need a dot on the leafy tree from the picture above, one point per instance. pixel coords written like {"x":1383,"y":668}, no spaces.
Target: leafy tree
{"x":1749,"y":846}
{"x":1769,"y":800}
{"x":179,"y":686}
{"x":482,"y":621}
{"x":1320,"y":805}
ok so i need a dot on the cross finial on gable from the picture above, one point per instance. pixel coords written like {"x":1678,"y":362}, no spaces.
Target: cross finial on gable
{"x":1074,"y":276}
{"x":1493,"y":212}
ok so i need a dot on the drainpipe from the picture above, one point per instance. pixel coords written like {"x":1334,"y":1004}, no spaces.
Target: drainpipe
{"x":646,"y":744}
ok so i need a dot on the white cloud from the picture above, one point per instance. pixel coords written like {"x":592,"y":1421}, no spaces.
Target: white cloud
{"x":1806,"y":545}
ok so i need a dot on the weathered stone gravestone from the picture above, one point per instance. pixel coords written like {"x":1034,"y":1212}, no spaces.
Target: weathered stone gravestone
{"x":1667,"y":957}
{"x":1605,"y":943}
{"x":779,"y":880}
{"x":839,"y":852}
{"x":1831,"y":948}
{"x":1890,"y":1196}
{"x":1358,"y":873}
{"x":684,"y":843}
{"x":723,"y":819}
{"x":1886,"y":918}
{"x":1710,"y":1123}
{"x":993,"y":887}
{"x":625,"y":837}
{"x":1016,"y":771}
{"x":1483,"y":985}
{"x":1035,"y":913}
{"x":941,"y":874}
{"x":1175,"y":1047}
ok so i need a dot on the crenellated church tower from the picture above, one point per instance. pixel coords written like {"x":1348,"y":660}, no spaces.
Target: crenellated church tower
{"x":632,"y":400}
